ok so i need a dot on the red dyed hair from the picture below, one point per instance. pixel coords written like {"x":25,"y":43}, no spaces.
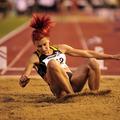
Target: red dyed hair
{"x":41,"y":25}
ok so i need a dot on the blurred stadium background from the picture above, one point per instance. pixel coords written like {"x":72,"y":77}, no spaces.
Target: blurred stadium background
{"x":15,"y":13}
{"x":27,"y":7}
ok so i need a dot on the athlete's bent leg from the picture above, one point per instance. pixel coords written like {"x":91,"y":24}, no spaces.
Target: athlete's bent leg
{"x":90,"y":72}
{"x":79,"y":78}
{"x":94,"y":75}
{"x":58,"y":79}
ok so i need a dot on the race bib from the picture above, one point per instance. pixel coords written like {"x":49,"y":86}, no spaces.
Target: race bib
{"x":61,"y":58}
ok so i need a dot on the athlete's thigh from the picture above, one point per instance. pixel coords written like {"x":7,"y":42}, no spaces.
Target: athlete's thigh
{"x":54,"y":87}
{"x":79,"y":77}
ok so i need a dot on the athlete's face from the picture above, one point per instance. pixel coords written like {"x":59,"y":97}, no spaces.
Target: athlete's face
{"x":43,"y":45}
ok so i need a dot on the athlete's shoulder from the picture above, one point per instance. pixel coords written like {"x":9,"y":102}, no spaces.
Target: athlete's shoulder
{"x":34,"y":58}
{"x":54,"y":47}
{"x":60,"y":46}
{"x":63,"y":47}
{"x":37,"y":53}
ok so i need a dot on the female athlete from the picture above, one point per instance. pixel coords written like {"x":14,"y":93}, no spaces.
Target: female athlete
{"x":50,"y":62}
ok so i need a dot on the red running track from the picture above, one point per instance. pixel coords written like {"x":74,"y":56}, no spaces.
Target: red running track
{"x":74,"y":34}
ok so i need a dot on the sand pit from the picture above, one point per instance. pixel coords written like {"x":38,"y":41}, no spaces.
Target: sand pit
{"x":36,"y":102}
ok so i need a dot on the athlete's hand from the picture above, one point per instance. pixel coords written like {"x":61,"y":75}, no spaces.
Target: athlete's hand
{"x":117,"y":57}
{"x":24,"y":80}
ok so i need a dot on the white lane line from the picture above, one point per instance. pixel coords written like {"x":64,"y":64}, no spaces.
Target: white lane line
{"x":84,"y":45}
{"x":13,"y":33}
{"x":80,"y":34}
{"x":17,"y":69}
{"x":17,"y":57}
{"x":3,"y":56}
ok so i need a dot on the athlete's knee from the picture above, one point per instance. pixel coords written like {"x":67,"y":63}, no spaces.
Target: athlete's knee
{"x":86,"y":68}
{"x":52,"y":65}
{"x":93,"y":63}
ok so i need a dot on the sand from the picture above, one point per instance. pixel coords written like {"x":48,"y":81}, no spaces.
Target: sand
{"x":36,"y":102}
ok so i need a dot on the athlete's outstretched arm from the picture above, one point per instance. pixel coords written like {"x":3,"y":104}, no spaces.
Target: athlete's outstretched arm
{"x":24,"y":79}
{"x":87,"y":53}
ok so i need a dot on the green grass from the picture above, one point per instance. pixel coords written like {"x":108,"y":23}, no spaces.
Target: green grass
{"x":10,"y":23}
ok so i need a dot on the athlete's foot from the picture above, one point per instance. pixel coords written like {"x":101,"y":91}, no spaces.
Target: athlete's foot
{"x":65,"y":97}
{"x":63,"y":94}
{"x":94,"y":92}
